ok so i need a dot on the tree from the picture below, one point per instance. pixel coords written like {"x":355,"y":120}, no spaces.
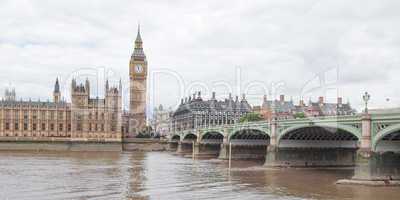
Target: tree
{"x":251,"y":117}
{"x":145,"y":133}
{"x":142,"y":135}
{"x":299,"y":115}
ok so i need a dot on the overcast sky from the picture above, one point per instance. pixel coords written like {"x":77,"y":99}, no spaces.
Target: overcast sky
{"x":303,"y":49}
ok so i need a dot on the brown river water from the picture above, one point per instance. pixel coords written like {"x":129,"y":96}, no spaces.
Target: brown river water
{"x":162,"y":175}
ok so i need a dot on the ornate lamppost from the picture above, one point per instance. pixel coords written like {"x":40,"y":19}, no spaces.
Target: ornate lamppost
{"x":366,"y":98}
{"x":273,"y":111}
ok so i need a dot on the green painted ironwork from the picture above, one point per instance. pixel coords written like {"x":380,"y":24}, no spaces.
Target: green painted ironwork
{"x":382,"y":124}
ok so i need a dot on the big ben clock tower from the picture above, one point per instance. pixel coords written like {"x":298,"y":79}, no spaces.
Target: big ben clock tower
{"x":138,"y":77}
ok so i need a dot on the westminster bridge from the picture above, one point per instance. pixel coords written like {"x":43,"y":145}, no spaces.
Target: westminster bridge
{"x":371,"y":142}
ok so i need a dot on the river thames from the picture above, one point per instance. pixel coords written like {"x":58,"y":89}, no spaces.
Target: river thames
{"x":162,"y":175}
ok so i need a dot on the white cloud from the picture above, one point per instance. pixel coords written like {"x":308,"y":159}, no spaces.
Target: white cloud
{"x":271,"y":41}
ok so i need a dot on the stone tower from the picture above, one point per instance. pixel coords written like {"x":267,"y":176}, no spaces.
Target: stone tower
{"x":10,"y":95}
{"x":138,"y":77}
{"x":56,"y":92}
{"x":80,"y":94}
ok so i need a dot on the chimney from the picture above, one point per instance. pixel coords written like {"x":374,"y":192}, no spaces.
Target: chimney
{"x":199,"y":95}
{"x":321,"y":100}
{"x":230,"y":96}
{"x":244,"y":97}
{"x":120,"y":86}
{"x":182,"y":101}
{"x":339,"y":100}
{"x":194,"y":96}
{"x":302,"y":103}
{"x":237,"y":98}
{"x":265,"y":98}
{"x":282,"y":98}
{"x":213,"y":96}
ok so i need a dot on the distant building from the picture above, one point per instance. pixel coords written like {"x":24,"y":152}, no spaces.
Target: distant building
{"x":160,"y":121}
{"x":9,"y":95}
{"x":194,"y":112}
{"x":322,"y":108}
{"x":256,"y":109}
{"x":282,"y":109}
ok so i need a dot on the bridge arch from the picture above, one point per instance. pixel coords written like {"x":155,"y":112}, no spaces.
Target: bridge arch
{"x":344,"y":136}
{"x":212,"y":135}
{"x":238,"y":133}
{"x":249,"y":137}
{"x":210,"y":142}
{"x":248,"y":143}
{"x":387,"y":139}
{"x":190,"y":136}
{"x":175,"y":138}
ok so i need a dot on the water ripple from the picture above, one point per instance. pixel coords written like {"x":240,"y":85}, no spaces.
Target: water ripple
{"x":114,"y":175}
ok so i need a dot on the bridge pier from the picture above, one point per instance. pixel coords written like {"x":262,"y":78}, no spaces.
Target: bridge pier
{"x":377,"y":166}
{"x":376,"y":169}
{"x":179,"y":148}
{"x":271,"y":159}
{"x":195,"y":148}
{"x":224,"y":151}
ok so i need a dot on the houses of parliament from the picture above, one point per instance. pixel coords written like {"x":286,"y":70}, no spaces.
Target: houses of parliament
{"x":84,"y":117}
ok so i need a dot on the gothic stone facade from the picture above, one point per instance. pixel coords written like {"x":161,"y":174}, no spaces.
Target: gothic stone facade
{"x":84,"y":118}
{"x":194,"y":112}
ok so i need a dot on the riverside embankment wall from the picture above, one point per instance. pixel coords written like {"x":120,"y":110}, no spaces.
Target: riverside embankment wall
{"x":72,"y":144}
{"x":144,"y":144}
{"x":58,"y":144}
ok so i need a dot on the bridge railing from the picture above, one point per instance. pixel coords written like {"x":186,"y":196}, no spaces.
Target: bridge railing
{"x":211,"y":141}
{"x":321,"y":118}
{"x":243,"y":124}
{"x":243,"y":142}
{"x":283,"y":121}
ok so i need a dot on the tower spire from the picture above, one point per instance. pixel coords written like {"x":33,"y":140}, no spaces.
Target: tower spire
{"x":138,"y":36}
{"x":138,"y":51}
{"x":57,"y":93}
{"x":120,"y":85}
{"x":57,"y":86}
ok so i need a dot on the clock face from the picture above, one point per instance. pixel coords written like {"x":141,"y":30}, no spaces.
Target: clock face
{"x":138,"y":68}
